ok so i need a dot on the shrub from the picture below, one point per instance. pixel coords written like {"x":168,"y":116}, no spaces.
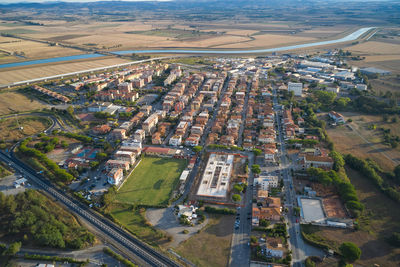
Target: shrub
{"x":236,"y":197}
{"x":350,"y":252}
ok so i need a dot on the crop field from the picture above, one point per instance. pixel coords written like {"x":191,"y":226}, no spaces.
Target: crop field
{"x":210,"y":247}
{"x":10,"y":128}
{"x":377,"y":223}
{"x":152,"y":182}
{"x":365,"y":142}
{"x":29,"y":50}
{"x":32,"y":72}
{"x":11,"y":102}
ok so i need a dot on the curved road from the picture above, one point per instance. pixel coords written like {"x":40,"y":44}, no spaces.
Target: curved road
{"x":135,"y":249}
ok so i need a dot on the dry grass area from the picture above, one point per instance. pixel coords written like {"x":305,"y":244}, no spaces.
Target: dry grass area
{"x":366,"y":143}
{"x":211,"y":247}
{"x":32,"y":72}
{"x":386,"y":83}
{"x":380,"y":219}
{"x":268,"y":40}
{"x":374,"y":47}
{"x":10,"y":129}
{"x":11,"y":102}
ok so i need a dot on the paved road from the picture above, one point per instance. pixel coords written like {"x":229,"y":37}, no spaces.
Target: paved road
{"x":296,"y":242}
{"x":244,"y":114}
{"x":132,"y":248}
{"x":240,"y":249}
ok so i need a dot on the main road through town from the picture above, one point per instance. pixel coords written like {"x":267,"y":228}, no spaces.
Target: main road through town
{"x":131,"y":247}
{"x":296,"y":242}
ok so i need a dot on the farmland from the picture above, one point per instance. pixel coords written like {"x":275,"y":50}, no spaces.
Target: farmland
{"x":152,"y":182}
{"x":29,"y":50}
{"x":32,"y":72}
{"x":12,"y":102}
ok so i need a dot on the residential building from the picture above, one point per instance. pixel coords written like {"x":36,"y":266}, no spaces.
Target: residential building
{"x":150,"y":123}
{"x":115,"y":176}
{"x":175,"y":140}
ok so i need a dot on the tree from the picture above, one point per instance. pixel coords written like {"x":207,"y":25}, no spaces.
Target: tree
{"x":70,"y":110}
{"x":101,"y":156}
{"x":256,"y":168}
{"x":236,"y":198}
{"x":238,"y":188}
{"x":197,"y":149}
{"x":257,"y":151}
{"x":13,"y":249}
{"x":309,"y":262}
{"x":94,"y":164}
{"x":326,"y":98}
{"x":350,"y":252}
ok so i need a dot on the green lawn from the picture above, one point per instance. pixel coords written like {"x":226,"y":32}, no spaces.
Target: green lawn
{"x":152,"y":182}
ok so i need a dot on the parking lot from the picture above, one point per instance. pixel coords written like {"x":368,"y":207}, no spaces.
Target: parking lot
{"x":7,"y":185}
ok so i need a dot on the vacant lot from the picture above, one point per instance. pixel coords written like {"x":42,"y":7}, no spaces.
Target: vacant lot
{"x":379,"y":220}
{"x":133,"y":219}
{"x":152,"y":182}
{"x":364,"y":142}
{"x":211,"y":247}
{"x":11,"y":102}
{"x":18,"y":127}
{"x":38,"y":71}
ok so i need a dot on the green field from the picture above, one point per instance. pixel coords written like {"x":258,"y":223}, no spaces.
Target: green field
{"x":152,"y":182}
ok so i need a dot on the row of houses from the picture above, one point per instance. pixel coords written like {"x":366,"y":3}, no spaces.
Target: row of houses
{"x":50,"y":93}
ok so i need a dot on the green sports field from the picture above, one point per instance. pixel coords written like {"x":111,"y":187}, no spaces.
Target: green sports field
{"x":152,"y":182}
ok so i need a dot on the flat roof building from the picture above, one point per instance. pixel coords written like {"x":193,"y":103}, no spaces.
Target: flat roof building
{"x":214,"y":183}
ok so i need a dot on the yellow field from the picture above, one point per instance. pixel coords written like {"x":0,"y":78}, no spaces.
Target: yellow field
{"x":268,"y":40}
{"x":32,"y":50}
{"x":376,"y":48}
{"x":15,"y":102}
{"x":32,"y":72}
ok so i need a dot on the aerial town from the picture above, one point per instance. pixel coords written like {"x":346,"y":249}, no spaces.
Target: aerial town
{"x":171,"y":133}
{"x":242,"y":136}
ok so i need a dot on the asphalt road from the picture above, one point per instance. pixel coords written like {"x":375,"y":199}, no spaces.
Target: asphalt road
{"x":134,"y":249}
{"x":240,"y":249}
{"x":296,"y":242}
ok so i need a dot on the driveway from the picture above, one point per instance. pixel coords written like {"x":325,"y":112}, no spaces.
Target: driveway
{"x":166,"y":220}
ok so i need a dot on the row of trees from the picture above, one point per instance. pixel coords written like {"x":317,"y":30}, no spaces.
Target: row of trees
{"x":345,"y":189}
{"x":368,"y":171}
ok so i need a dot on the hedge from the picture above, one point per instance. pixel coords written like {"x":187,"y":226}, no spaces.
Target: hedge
{"x":219,"y":211}
{"x":53,"y":258}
